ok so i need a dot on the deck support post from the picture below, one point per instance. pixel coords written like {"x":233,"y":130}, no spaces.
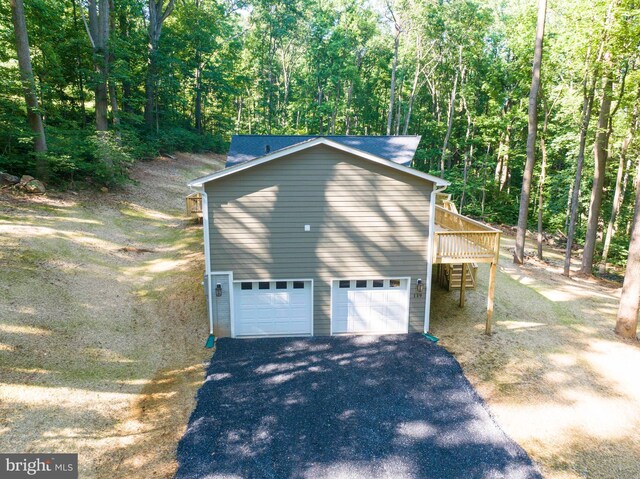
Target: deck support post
{"x":463,"y":283}
{"x":492,"y":288}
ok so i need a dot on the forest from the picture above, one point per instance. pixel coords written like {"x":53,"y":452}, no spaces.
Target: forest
{"x":87,"y":87}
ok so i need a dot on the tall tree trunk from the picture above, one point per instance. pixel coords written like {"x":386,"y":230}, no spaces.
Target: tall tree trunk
{"x":123,"y":27}
{"x":498,"y":171}
{"x":347,"y":120}
{"x":518,"y":255}
{"x":619,"y":194}
{"x":450,"y":111}
{"x":627,"y":320}
{"x":198,"y":99}
{"x":587,"y":105}
{"x":484,"y":179}
{"x":98,"y":31}
{"x":113,"y":98}
{"x":349,"y":112}
{"x":83,"y":111}
{"x":601,"y":152}
{"x":394,"y":68}
{"x":28,"y":83}
{"x":505,"y":173}
{"x":543,"y":173}
{"x":467,"y":164}
{"x":158,"y":13}
{"x":412,"y":95}
{"x":399,"y":109}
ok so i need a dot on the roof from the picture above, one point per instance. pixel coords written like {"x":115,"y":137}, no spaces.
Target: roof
{"x":199,"y":182}
{"x":399,"y":149}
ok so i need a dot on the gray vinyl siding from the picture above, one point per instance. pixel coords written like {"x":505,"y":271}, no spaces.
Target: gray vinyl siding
{"x":367,"y":221}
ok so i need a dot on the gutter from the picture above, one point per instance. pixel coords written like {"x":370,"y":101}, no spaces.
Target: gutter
{"x":207,"y":257}
{"x":432,"y":225}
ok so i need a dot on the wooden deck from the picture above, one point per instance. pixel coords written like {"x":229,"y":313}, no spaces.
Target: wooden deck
{"x":463,"y":241}
{"x":459,"y":239}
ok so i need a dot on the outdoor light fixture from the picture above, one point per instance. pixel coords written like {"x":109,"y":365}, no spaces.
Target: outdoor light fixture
{"x":420,"y":286}
{"x":218,"y":290}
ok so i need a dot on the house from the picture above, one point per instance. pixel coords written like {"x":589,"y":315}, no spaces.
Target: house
{"x":328,"y":235}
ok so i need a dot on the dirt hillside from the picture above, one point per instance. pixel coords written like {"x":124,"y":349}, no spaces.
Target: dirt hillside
{"x":102,"y":321}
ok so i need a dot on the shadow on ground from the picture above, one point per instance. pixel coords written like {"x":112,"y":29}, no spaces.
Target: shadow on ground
{"x":342,"y":407}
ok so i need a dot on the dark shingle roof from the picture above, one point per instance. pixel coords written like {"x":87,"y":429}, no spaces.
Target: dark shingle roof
{"x":399,"y":149}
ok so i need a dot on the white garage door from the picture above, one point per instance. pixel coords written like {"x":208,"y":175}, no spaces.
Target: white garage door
{"x":272,"y":308}
{"x":378,"y":306}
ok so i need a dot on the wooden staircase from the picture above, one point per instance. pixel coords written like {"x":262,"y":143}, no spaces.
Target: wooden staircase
{"x":451,"y":275}
{"x":459,"y":243}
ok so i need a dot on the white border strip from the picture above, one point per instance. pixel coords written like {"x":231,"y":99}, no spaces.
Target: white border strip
{"x":430,"y":239}
{"x":207,"y":256}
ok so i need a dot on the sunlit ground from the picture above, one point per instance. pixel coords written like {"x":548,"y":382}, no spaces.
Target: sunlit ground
{"x":101,"y":346}
{"x":101,"y":327}
{"x":554,"y":374}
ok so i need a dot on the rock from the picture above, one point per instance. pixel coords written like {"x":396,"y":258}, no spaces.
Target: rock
{"x":104,"y":189}
{"x":7,"y":179}
{"x":34,"y":186}
{"x":26,"y":179}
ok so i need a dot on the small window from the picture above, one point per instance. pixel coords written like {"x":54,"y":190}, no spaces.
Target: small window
{"x":361,"y":283}
{"x":378,"y":283}
{"x":246,"y":285}
{"x":345,"y":284}
{"x":263,"y":285}
{"x":298,"y":285}
{"x":394,"y":283}
{"x":281,"y":285}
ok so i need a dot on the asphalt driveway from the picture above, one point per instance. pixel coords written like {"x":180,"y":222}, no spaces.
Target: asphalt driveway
{"x":395,"y":407}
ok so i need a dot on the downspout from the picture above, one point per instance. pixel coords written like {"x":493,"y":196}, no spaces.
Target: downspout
{"x":207,"y":256}
{"x":432,"y":225}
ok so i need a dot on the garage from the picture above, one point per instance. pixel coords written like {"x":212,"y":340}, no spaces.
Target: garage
{"x":373,"y":306}
{"x":273,"y":308}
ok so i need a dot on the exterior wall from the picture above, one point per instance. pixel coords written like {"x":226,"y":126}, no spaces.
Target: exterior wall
{"x":367,"y":221}
{"x":221,"y":304}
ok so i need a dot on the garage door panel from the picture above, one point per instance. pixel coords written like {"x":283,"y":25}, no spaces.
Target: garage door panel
{"x":274,"y":310}
{"x":371,"y":306}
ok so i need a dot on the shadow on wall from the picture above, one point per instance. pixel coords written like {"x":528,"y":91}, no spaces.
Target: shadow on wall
{"x":363,"y":223}
{"x":342,"y":407}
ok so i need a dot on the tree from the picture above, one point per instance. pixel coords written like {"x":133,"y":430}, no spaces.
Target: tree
{"x":543,"y":171}
{"x":158,"y":13}
{"x":601,"y":151}
{"x":587,"y":104}
{"x":394,"y":67}
{"x":627,"y":319}
{"x":518,"y":255}
{"x":98,"y":31}
{"x":618,"y":192}
{"x":26,"y":77}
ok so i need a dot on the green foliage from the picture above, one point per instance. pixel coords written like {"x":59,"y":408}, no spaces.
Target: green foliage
{"x":325,"y":67}
{"x":173,"y":139}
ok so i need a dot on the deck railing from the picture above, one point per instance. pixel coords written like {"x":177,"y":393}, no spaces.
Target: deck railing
{"x":465,"y":240}
{"x":194,"y":205}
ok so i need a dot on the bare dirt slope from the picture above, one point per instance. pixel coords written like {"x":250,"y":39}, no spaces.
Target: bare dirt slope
{"x":555,"y":375}
{"x":102,"y":321}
